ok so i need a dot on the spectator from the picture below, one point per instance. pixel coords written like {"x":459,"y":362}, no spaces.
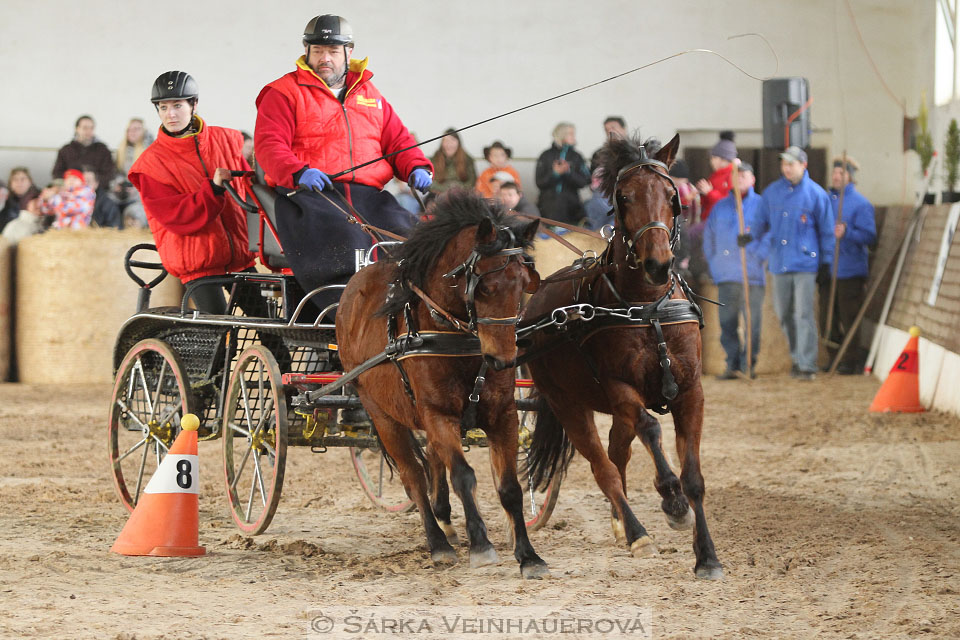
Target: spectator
{"x":29,"y":222}
{"x":690,"y":259}
{"x":106,"y":212}
{"x":597,"y":208}
{"x":248,"y":148}
{"x":497,"y":180}
{"x":614,"y":128}
{"x":512,"y":198}
{"x":85,"y":149}
{"x":855,"y":235}
{"x":498,"y":156}
{"x":135,"y":140}
{"x":561,"y":172}
{"x":718,"y":186}
{"x":452,"y":165}
{"x":721,"y":246}
{"x":20,"y":191}
{"x":72,"y":205}
{"x":326,"y":117}
{"x":798,"y":215}
{"x":200,"y":232}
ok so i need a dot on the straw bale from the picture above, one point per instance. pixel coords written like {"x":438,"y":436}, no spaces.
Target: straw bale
{"x":550,"y":255}
{"x":6,"y":290}
{"x":72,"y":297}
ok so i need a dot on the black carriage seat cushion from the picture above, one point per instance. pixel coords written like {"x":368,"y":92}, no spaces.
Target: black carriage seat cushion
{"x":267,"y":198}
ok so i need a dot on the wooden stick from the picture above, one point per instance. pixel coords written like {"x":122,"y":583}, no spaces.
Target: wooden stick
{"x":836,"y":254}
{"x":738,"y":199}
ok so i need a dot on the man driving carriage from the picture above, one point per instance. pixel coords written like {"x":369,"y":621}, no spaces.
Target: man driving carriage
{"x":315,"y":122}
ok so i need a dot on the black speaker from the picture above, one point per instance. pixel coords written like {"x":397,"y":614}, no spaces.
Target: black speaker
{"x":785,"y":100}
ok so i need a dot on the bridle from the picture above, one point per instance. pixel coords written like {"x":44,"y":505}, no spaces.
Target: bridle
{"x":468,"y":269}
{"x":661,"y":170}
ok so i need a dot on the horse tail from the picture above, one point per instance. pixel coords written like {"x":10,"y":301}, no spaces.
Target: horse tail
{"x":550,"y":451}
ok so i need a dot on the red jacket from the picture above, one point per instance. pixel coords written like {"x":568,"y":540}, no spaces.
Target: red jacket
{"x":720,"y":179}
{"x":301,"y":123}
{"x":198,"y":230}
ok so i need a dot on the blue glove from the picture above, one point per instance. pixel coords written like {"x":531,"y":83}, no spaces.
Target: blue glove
{"x":420,"y":179}
{"x":315,"y":179}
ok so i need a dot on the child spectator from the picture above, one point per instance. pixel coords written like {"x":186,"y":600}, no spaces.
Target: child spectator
{"x":72,"y":206}
{"x":512,"y":198}
{"x":452,"y":165}
{"x":498,"y":156}
{"x":106,"y":212}
{"x":718,"y":186}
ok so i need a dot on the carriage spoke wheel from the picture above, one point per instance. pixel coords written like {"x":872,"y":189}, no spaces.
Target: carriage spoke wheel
{"x":254,"y":439}
{"x":537,"y":505}
{"x":151,"y":393}
{"x":379,"y":482}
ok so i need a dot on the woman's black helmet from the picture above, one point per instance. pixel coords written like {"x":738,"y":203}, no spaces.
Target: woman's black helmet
{"x":174,"y":85}
{"x":328,"y":29}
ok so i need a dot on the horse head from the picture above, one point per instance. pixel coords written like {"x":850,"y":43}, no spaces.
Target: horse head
{"x":645,"y":202}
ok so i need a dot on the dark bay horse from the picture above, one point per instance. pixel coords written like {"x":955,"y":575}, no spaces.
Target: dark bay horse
{"x":457,"y":281}
{"x":614,"y":361}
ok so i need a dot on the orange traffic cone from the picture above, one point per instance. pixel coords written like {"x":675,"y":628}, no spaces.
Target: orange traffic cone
{"x":900,"y":392}
{"x":166,"y":519}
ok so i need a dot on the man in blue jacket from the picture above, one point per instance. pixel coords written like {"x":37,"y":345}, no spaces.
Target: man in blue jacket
{"x":721,"y":246}
{"x":855,"y":235}
{"x":800,"y":220}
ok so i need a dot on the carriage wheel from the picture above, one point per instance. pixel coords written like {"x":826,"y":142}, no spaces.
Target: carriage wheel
{"x":151,"y":394}
{"x":379,"y":482}
{"x":254,"y":439}
{"x":537,"y":505}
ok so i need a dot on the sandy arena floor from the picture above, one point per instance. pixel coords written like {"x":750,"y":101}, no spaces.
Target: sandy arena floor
{"x":830,"y":522}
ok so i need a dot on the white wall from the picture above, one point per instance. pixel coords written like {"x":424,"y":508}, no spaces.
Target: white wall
{"x":454,"y":63}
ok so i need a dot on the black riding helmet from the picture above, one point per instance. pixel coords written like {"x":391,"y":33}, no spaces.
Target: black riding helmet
{"x":328,"y":29}
{"x":174,"y":85}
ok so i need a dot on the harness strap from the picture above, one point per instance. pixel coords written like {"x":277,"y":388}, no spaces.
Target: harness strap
{"x":562,"y":225}
{"x":668,"y":385}
{"x":469,"y":418}
{"x":437,"y":309}
{"x":354,"y":217}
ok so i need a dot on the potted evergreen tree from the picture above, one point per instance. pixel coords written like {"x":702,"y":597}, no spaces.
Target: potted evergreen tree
{"x":951,"y":162}
{"x":924,"y":146}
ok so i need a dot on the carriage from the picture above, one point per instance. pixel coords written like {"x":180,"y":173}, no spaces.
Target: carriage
{"x":253,"y":381}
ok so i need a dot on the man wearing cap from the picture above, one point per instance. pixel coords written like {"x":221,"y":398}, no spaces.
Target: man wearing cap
{"x":322,"y":119}
{"x":798,"y":215}
{"x":200,"y":232}
{"x":717,"y":187}
{"x":855,"y":234}
{"x":721,"y":246}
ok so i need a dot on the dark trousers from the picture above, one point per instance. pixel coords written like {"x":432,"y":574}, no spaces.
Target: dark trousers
{"x":849,"y":298}
{"x":731,"y":297}
{"x":210,"y":298}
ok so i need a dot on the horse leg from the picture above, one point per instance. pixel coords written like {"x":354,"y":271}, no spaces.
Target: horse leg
{"x":444,"y":434}
{"x":580,"y":428}
{"x":687,"y":412}
{"x":675,"y":505}
{"x":503,"y":459}
{"x":440,"y":495}
{"x":621,"y":435}
{"x":396,"y":441}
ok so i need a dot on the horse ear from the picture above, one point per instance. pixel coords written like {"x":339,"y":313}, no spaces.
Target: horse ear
{"x":668,"y":153}
{"x":530,"y":231}
{"x":486,"y":233}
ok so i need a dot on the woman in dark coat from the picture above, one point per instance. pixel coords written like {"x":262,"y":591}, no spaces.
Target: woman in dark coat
{"x":561,"y":173}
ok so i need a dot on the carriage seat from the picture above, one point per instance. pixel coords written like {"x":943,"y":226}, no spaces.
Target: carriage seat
{"x":268,"y":199}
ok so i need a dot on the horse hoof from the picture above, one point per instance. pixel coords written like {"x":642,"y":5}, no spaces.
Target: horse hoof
{"x":444,"y":556}
{"x":644,"y":547}
{"x":618,"y":530}
{"x":450,"y":532}
{"x":683,"y":523}
{"x":534,"y":571}
{"x":710,"y":572}
{"x":483,"y":558}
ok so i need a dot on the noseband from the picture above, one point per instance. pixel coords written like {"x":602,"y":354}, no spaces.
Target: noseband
{"x":661,"y":170}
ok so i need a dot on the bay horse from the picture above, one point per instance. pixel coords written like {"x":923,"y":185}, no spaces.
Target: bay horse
{"x":457,"y":284}
{"x":636,"y":346}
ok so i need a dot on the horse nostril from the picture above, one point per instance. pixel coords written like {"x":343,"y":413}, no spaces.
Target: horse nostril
{"x":499,"y":365}
{"x":657,"y":271}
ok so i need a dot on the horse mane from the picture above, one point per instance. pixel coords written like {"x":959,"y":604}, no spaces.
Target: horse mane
{"x":616,"y":154}
{"x":452,"y":211}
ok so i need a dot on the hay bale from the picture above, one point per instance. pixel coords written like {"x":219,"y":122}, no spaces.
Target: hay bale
{"x":774,"y":356}
{"x":6,"y":290}
{"x":72,"y":297}
{"x":550,"y":255}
